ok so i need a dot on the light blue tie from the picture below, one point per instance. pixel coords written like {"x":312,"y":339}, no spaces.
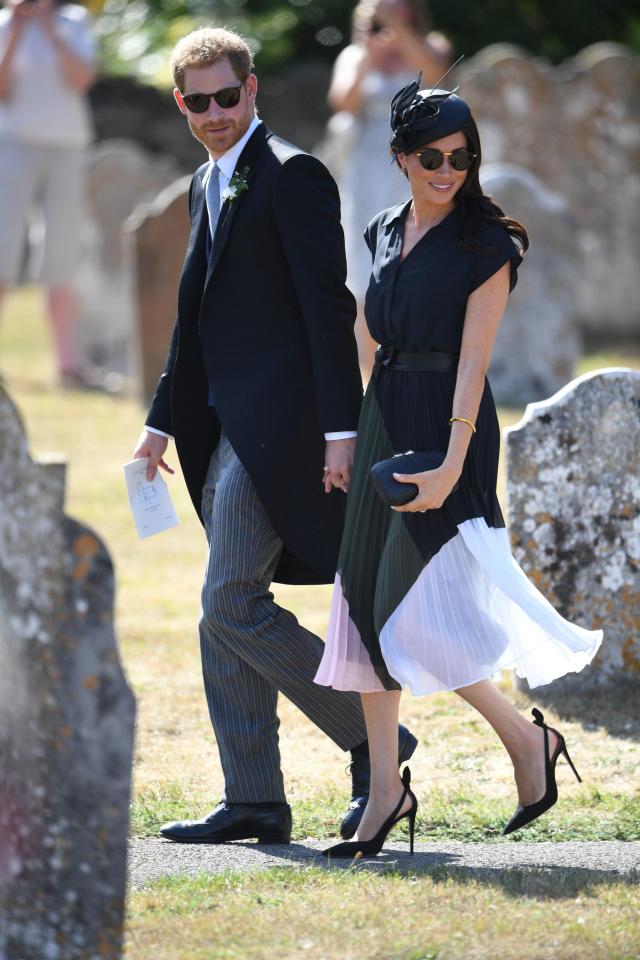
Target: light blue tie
{"x":213,"y":198}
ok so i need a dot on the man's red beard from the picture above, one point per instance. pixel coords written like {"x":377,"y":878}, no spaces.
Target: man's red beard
{"x":202,"y":133}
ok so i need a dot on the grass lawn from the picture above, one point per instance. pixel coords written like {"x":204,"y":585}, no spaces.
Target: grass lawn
{"x":359,"y":915}
{"x":461,"y":773}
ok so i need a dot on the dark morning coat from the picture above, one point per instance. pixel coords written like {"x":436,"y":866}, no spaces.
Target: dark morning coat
{"x":268,"y":323}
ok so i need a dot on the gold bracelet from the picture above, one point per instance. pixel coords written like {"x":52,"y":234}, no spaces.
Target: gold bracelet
{"x":463,"y":420}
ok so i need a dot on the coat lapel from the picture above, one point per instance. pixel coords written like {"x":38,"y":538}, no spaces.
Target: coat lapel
{"x":199,"y":220}
{"x":194,"y":270}
{"x":228,"y":211}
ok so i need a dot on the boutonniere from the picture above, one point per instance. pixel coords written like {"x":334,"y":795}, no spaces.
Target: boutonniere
{"x":237,"y":186}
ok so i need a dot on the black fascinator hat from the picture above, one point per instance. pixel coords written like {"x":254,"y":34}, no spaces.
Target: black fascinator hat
{"x":419,"y":116}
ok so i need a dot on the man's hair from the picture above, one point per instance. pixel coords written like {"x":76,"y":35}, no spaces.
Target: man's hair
{"x":207,"y":46}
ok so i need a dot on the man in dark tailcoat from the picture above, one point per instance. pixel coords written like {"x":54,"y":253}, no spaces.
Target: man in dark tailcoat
{"x":261,"y":392}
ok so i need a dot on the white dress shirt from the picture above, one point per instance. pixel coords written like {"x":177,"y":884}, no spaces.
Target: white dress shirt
{"x":227,"y":165}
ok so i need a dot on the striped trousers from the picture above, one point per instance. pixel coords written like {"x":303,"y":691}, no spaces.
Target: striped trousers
{"x":251,"y":647}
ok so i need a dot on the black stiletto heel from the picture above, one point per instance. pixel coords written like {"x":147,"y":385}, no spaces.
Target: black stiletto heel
{"x":370,"y":848}
{"x":527,"y":813}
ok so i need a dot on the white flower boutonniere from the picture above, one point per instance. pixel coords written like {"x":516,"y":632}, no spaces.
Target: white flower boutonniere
{"x":237,"y":186}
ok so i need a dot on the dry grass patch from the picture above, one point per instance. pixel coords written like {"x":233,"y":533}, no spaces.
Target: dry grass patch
{"x":360,"y":915}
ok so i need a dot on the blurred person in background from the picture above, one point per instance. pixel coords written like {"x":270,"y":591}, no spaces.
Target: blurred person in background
{"x":47,"y":63}
{"x":390,"y":44}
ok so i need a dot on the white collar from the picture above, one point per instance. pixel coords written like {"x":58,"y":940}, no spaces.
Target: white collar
{"x":227,"y":162}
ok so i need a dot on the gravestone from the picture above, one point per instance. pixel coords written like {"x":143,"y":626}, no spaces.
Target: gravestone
{"x":66,"y":722}
{"x":157,"y":235}
{"x":600,"y":91}
{"x":513,"y":98}
{"x":537,"y":345}
{"x":120,"y":175}
{"x":577,"y":128}
{"x":573,"y":490}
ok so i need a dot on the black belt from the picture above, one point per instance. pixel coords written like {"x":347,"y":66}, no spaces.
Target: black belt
{"x":393,"y":359}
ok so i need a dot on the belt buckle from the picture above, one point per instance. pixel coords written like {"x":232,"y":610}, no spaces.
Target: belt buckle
{"x":389,"y":356}
{"x":384,"y":357}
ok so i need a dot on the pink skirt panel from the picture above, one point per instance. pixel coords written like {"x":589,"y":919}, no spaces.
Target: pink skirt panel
{"x":345,"y":664}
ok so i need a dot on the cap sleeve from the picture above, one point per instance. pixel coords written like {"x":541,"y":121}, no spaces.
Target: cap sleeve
{"x":503,"y":250}
{"x":80,"y":34}
{"x":371,"y":235}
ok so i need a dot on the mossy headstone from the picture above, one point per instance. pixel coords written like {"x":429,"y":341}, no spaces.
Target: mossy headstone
{"x":66,"y":722}
{"x":573,"y":490}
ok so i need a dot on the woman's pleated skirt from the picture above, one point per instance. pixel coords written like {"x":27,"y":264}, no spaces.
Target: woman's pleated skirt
{"x":436,"y":601}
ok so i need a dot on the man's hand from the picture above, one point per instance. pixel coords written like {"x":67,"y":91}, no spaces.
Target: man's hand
{"x":338,"y":464}
{"x":152,"y":445}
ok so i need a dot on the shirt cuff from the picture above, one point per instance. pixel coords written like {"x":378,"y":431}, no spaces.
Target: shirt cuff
{"x":160,"y":433}
{"x":341,"y":435}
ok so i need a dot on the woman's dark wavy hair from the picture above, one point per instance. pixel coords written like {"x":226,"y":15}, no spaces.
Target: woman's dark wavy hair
{"x":478,"y":207}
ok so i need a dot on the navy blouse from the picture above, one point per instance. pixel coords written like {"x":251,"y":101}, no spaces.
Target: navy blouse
{"x":420,"y":304}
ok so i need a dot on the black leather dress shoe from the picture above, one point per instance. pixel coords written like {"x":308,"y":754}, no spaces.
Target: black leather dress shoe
{"x":264,"y":822}
{"x":360,"y":779}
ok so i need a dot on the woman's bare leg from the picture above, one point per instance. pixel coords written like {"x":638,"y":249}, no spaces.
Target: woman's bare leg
{"x":381,"y":716}
{"x":523,"y":740}
{"x":62,"y":310}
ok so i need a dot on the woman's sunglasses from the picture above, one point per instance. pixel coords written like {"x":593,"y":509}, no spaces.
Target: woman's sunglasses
{"x":226,"y":98}
{"x":432,"y":159}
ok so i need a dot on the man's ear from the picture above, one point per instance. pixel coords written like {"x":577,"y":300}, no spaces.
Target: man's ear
{"x":252,"y":86}
{"x":178,"y":98}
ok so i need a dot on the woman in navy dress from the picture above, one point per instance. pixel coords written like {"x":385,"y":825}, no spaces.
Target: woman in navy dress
{"x":428,"y":596}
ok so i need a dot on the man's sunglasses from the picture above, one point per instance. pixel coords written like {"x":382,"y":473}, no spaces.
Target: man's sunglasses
{"x":226,"y":98}
{"x":432,"y":159}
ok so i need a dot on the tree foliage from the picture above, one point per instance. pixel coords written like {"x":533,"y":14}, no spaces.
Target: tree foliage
{"x":138,"y":35}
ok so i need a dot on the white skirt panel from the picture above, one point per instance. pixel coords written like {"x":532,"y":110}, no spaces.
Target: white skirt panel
{"x":471,"y":613}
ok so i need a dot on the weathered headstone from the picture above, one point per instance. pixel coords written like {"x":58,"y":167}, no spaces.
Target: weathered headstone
{"x":577,"y":128}
{"x":513,"y":97}
{"x":537,"y":346}
{"x":66,"y":722}
{"x":120,"y":175}
{"x":600,"y":91}
{"x":157,"y":235}
{"x":573,"y":490}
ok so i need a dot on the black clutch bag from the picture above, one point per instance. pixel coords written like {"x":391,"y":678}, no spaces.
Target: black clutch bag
{"x":396,"y":494}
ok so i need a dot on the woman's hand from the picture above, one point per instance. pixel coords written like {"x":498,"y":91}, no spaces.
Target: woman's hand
{"x":47,"y":15}
{"x":21,"y":13}
{"x":434,"y":486}
{"x":386,"y":13}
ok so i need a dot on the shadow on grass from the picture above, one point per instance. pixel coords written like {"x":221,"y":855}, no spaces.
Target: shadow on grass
{"x":616,"y":709}
{"x":543,"y":881}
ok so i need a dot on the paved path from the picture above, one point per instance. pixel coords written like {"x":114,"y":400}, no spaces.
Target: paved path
{"x":597,"y":861}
